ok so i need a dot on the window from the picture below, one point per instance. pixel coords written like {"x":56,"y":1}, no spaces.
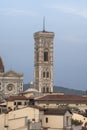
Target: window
{"x":43,"y":89}
{"x":33,"y":119}
{"x":14,"y":103}
{"x":67,"y":120}
{"x":19,"y":103}
{"x":46,"y":56}
{"x":43,"y":74}
{"x":47,"y":74}
{"x":47,"y":89}
{"x":25,"y":103}
{"x":46,"y":119}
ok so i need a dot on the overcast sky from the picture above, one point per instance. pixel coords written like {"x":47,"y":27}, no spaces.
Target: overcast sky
{"x":19,"y":19}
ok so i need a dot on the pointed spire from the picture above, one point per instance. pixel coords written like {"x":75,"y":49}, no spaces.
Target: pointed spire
{"x":44,"y":24}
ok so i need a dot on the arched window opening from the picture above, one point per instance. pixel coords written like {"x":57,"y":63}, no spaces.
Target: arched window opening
{"x":43,"y":74}
{"x":46,"y":56}
{"x":43,"y":89}
{"x":47,"y":74}
{"x":47,"y":89}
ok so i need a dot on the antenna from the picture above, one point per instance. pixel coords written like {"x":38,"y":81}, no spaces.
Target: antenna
{"x":44,"y":24}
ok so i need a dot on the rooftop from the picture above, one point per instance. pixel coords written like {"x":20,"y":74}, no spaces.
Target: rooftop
{"x":54,"y":111}
{"x":18,"y":97}
{"x":57,"y":97}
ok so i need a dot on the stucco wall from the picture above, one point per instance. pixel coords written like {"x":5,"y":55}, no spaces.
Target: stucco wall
{"x":53,"y":121}
{"x":2,"y":122}
{"x":17,"y":123}
{"x":19,"y":118}
{"x":79,"y":117}
{"x":57,"y":104}
{"x":57,"y":121}
{"x":30,"y":112}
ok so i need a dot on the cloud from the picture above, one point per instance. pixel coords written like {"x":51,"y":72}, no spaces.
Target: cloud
{"x":16,"y":12}
{"x":71,"y":10}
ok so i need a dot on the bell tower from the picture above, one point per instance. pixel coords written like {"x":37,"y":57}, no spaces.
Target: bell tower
{"x":43,"y":61}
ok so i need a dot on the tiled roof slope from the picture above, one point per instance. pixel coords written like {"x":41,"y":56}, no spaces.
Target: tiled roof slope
{"x":53,"y":111}
{"x":62,"y":98}
{"x":19,"y":97}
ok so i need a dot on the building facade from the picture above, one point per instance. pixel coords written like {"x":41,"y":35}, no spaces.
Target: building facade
{"x":74,"y":102}
{"x":26,"y":118}
{"x":43,"y":61}
{"x":11,"y":82}
{"x":57,"y":119}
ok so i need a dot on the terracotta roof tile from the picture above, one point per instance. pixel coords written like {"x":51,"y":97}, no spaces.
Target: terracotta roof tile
{"x":19,"y":97}
{"x":62,"y":98}
{"x":54,"y":111}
